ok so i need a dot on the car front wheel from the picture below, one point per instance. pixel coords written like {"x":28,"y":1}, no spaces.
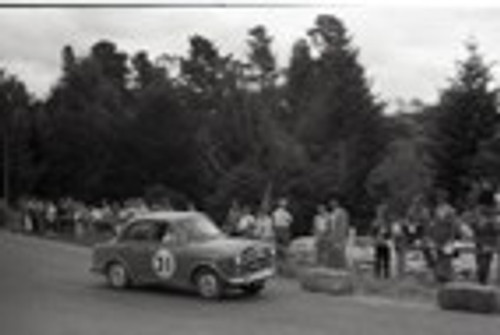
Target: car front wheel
{"x":117,"y":276}
{"x":208,"y":284}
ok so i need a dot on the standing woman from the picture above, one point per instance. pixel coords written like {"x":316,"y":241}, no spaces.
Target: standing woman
{"x":338,"y":234}
{"x":321,"y":224}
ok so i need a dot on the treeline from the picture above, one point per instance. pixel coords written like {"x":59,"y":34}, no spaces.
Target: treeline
{"x":208,"y":128}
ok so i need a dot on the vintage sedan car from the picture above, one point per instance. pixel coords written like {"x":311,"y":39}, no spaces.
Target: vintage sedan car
{"x":184,"y":250}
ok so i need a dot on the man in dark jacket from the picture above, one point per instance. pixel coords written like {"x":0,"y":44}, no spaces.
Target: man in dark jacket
{"x":443,"y":233}
{"x":485,"y":238}
{"x":382,"y":234}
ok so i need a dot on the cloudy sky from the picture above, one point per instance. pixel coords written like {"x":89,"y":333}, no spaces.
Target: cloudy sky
{"x":408,"y":51}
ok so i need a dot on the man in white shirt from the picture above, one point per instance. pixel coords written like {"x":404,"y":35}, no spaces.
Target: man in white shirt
{"x":282,"y":220}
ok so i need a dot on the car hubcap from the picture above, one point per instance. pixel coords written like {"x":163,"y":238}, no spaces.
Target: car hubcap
{"x":117,"y":276}
{"x":208,"y":286}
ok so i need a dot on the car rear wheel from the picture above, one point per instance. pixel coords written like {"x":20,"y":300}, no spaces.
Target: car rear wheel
{"x":117,"y":276}
{"x":254,"y":288}
{"x":208,"y":284}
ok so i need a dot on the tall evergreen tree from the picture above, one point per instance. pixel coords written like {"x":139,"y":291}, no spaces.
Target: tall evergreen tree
{"x":86,"y":109}
{"x":465,"y":117}
{"x":262,"y":60}
{"x":342,"y":126}
{"x":17,"y":167}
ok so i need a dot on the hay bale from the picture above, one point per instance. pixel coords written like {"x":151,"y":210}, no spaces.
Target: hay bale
{"x":469,"y":297}
{"x":334,"y":282}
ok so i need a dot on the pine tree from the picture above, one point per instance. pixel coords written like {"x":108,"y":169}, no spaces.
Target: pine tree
{"x":86,"y":109}
{"x":17,"y":168}
{"x":342,"y":124}
{"x":299,"y":82}
{"x":465,"y":117}
{"x":261,"y":57}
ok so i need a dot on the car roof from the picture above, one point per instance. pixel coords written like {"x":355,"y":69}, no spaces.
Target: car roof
{"x":171,"y":216}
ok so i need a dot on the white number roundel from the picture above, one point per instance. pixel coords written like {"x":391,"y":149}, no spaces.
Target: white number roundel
{"x":164,"y":263}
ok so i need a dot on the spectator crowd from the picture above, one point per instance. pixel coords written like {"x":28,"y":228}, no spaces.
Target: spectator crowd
{"x":440,"y":233}
{"x":431,"y":226}
{"x":69,"y":216}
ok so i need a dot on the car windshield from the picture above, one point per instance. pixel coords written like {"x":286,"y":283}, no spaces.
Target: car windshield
{"x":200,"y":228}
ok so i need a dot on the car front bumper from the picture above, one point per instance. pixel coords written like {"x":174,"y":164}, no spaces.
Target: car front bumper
{"x":252,"y":278}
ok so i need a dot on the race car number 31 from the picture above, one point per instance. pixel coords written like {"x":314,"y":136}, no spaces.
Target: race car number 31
{"x":164,"y":263}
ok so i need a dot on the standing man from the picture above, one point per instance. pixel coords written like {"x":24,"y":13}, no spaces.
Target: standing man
{"x":338,"y":232}
{"x":51,"y":216}
{"x":282,"y":221}
{"x":443,"y":234}
{"x":382,"y":234}
{"x":485,"y":238}
{"x":415,"y":233}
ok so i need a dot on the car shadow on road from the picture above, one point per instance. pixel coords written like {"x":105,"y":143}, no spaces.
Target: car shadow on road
{"x":231,"y":296}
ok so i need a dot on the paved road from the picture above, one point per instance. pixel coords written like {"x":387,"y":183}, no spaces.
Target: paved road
{"x":45,"y":288}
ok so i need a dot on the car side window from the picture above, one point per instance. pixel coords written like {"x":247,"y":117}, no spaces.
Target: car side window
{"x":182,"y":235}
{"x":140,"y":231}
{"x":166,"y":233}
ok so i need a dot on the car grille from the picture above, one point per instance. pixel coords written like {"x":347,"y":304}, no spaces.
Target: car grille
{"x":256,"y":259}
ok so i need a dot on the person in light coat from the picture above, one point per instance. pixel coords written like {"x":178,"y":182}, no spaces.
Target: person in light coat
{"x":320,"y":225}
{"x":338,"y":234}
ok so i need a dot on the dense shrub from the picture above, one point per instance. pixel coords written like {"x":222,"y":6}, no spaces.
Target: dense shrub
{"x":3,"y":213}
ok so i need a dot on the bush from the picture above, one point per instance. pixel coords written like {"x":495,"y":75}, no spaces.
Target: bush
{"x":9,"y":217}
{"x":469,"y":297}
{"x":3,"y":213}
{"x":334,"y":282}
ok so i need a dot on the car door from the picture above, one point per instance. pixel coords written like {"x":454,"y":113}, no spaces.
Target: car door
{"x":138,"y":244}
{"x":168,"y":257}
